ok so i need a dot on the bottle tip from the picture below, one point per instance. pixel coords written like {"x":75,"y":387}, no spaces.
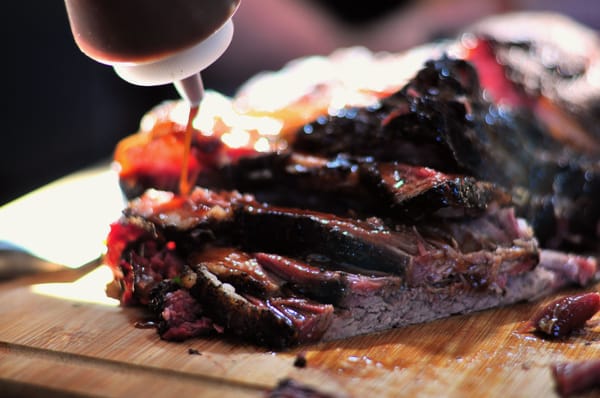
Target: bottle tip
{"x":191,"y":89}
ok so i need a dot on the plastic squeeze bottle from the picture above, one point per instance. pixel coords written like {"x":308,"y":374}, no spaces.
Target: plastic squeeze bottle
{"x":155,"y":42}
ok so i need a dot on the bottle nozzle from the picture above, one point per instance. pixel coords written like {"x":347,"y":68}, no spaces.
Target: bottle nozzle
{"x":191,"y":89}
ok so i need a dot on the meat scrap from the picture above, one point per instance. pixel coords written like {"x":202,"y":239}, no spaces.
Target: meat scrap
{"x":300,"y":361}
{"x":193,"y":351}
{"x":565,"y":314}
{"x":289,"y":388}
{"x":576,"y":377}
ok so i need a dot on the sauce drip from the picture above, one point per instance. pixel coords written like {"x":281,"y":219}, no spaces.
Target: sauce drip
{"x":185,"y":182}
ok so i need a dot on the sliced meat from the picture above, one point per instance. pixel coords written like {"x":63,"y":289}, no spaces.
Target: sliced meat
{"x":275,"y":321}
{"x":415,"y":192}
{"x":480,"y":251}
{"x":282,"y":277}
{"x":239,"y":269}
{"x":378,"y":216}
{"x":318,"y":283}
{"x":344,"y":185}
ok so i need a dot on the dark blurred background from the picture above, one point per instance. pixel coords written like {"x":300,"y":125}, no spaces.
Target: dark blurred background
{"x":63,"y":111}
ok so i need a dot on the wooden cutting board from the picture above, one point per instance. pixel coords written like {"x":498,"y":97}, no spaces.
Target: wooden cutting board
{"x":53,"y":346}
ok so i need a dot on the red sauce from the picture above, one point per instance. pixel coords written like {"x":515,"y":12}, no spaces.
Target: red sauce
{"x":142,"y":30}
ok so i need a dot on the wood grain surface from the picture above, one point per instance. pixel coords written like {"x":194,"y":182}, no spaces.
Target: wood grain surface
{"x":68,"y":346}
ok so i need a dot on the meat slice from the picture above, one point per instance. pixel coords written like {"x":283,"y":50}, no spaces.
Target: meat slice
{"x":415,"y":192}
{"x":275,"y":321}
{"x":361,"y":186}
{"x":238,"y":269}
{"x":432,"y":252}
{"x":324,"y":285}
{"x":479,"y":251}
{"x":565,"y":315}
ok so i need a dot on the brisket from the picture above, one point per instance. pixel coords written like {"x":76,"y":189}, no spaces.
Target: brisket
{"x":452,"y":193}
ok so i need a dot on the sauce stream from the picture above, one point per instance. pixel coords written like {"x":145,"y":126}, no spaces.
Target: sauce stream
{"x":185,"y":182}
